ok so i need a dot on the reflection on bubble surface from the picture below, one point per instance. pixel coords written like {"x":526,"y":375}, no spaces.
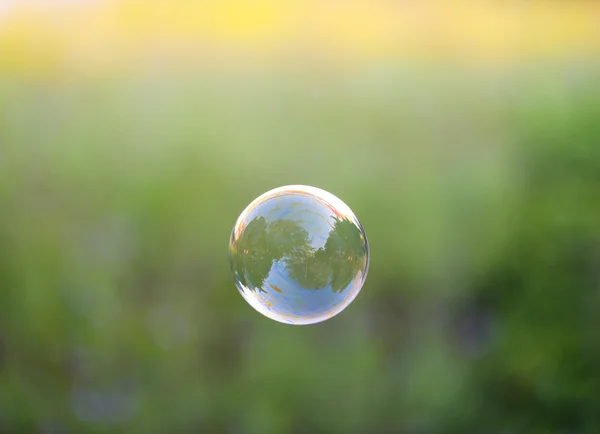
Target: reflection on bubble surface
{"x":298,"y":255}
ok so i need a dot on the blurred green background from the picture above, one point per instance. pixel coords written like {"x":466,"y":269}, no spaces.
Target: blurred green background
{"x":477,"y":183}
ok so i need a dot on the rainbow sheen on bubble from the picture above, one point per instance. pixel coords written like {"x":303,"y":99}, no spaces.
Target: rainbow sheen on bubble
{"x":298,"y":255}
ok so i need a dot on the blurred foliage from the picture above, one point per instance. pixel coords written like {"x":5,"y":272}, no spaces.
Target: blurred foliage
{"x":478,"y":191}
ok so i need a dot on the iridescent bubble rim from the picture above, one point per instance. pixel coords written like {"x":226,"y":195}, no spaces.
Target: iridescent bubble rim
{"x":340,"y":211}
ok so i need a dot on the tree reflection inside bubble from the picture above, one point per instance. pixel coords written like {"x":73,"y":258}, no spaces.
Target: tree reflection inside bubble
{"x":298,"y":255}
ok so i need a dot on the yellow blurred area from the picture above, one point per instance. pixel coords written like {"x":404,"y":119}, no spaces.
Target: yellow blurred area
{"x":101,"y":35}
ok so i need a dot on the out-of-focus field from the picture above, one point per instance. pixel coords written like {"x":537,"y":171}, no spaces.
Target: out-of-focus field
{"x":98,"y":35}
{"x":132,"y":137}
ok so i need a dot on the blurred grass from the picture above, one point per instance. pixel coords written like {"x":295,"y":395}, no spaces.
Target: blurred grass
{"x":121,"y":175}
{"x":477,"y":191}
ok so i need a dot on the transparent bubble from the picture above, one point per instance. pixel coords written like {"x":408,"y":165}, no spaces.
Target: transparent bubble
{"x":298,"y":255}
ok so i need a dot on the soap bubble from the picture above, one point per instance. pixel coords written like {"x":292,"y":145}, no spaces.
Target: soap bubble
{"x":298,"y":255}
